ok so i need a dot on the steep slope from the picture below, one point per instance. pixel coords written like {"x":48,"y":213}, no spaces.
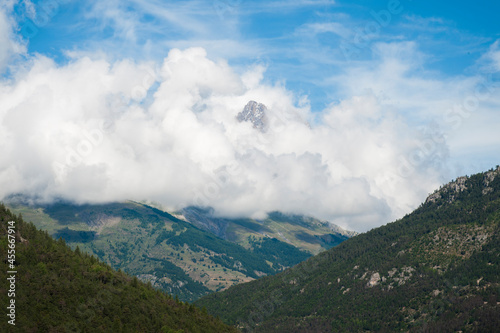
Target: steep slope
{"x":435,"y":270}
{"x":55,"y":289}
{"x":159,"y":248}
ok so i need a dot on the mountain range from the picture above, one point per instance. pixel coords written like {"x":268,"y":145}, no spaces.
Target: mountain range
{"x":434,"y":270}
{"x":189,"y":253}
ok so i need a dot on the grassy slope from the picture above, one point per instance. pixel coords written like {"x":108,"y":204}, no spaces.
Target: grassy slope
{"x":60,"y":290}
{"x":437,"y":269}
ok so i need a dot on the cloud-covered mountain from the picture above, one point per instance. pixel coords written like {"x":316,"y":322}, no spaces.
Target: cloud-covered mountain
{"x":99,"y":131}
{"x":94,"y":125}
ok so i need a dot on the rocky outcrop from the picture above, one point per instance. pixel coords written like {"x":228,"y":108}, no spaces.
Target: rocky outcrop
{"x":452,"y":189}
{"x":374,"y":280}
{"x":256,"y":114}
{"x":488,"y":178}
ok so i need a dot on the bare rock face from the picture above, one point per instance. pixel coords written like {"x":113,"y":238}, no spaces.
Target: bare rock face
{"x":488,"y":178}
{"x":374,"y":280}
{"x":256,"y":114}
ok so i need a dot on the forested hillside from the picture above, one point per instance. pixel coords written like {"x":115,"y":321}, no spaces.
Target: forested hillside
{"x":157,"y":247}
{"x":61,"y":290}
{"x":435,"y":270}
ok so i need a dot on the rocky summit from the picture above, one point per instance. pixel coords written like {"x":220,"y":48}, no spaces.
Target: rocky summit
{"x":256,"y":114}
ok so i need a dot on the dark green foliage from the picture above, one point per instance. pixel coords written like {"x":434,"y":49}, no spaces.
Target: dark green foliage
{"x":326,"y":241}
{"x":60,"y":290}
{"x":76,"y":236}
{"x":164,"y":235}
{"x":197,"y":239}
{"x":435,"y":270}
{"x":167,"y":269}
{"x":278,"y":252}
{"x":249,"y":224}
{"x":278,"y":216}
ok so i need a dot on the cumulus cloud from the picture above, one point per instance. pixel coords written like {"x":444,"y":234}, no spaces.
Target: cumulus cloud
{"x":463,"y":108}
{"x":97,"y":131}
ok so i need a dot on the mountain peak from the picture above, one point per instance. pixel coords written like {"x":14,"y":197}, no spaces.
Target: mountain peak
{"x":256,"y":114}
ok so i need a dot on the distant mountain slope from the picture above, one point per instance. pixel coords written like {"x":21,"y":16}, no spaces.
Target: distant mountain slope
{"x":60,"y":290}
{"x":304,"y":232}
{"x":156,"y":246}
{"x":435,"y":270}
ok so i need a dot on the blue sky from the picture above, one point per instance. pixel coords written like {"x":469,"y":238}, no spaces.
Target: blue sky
{"x":301,"y":42}
{"x":382,"y":100}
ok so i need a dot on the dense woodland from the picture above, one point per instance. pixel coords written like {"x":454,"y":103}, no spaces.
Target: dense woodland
{"x":435,"y":270}
{"x":61,"y":290}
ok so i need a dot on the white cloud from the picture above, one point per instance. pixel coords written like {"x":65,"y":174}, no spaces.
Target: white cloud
{"x":97,"y":131}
